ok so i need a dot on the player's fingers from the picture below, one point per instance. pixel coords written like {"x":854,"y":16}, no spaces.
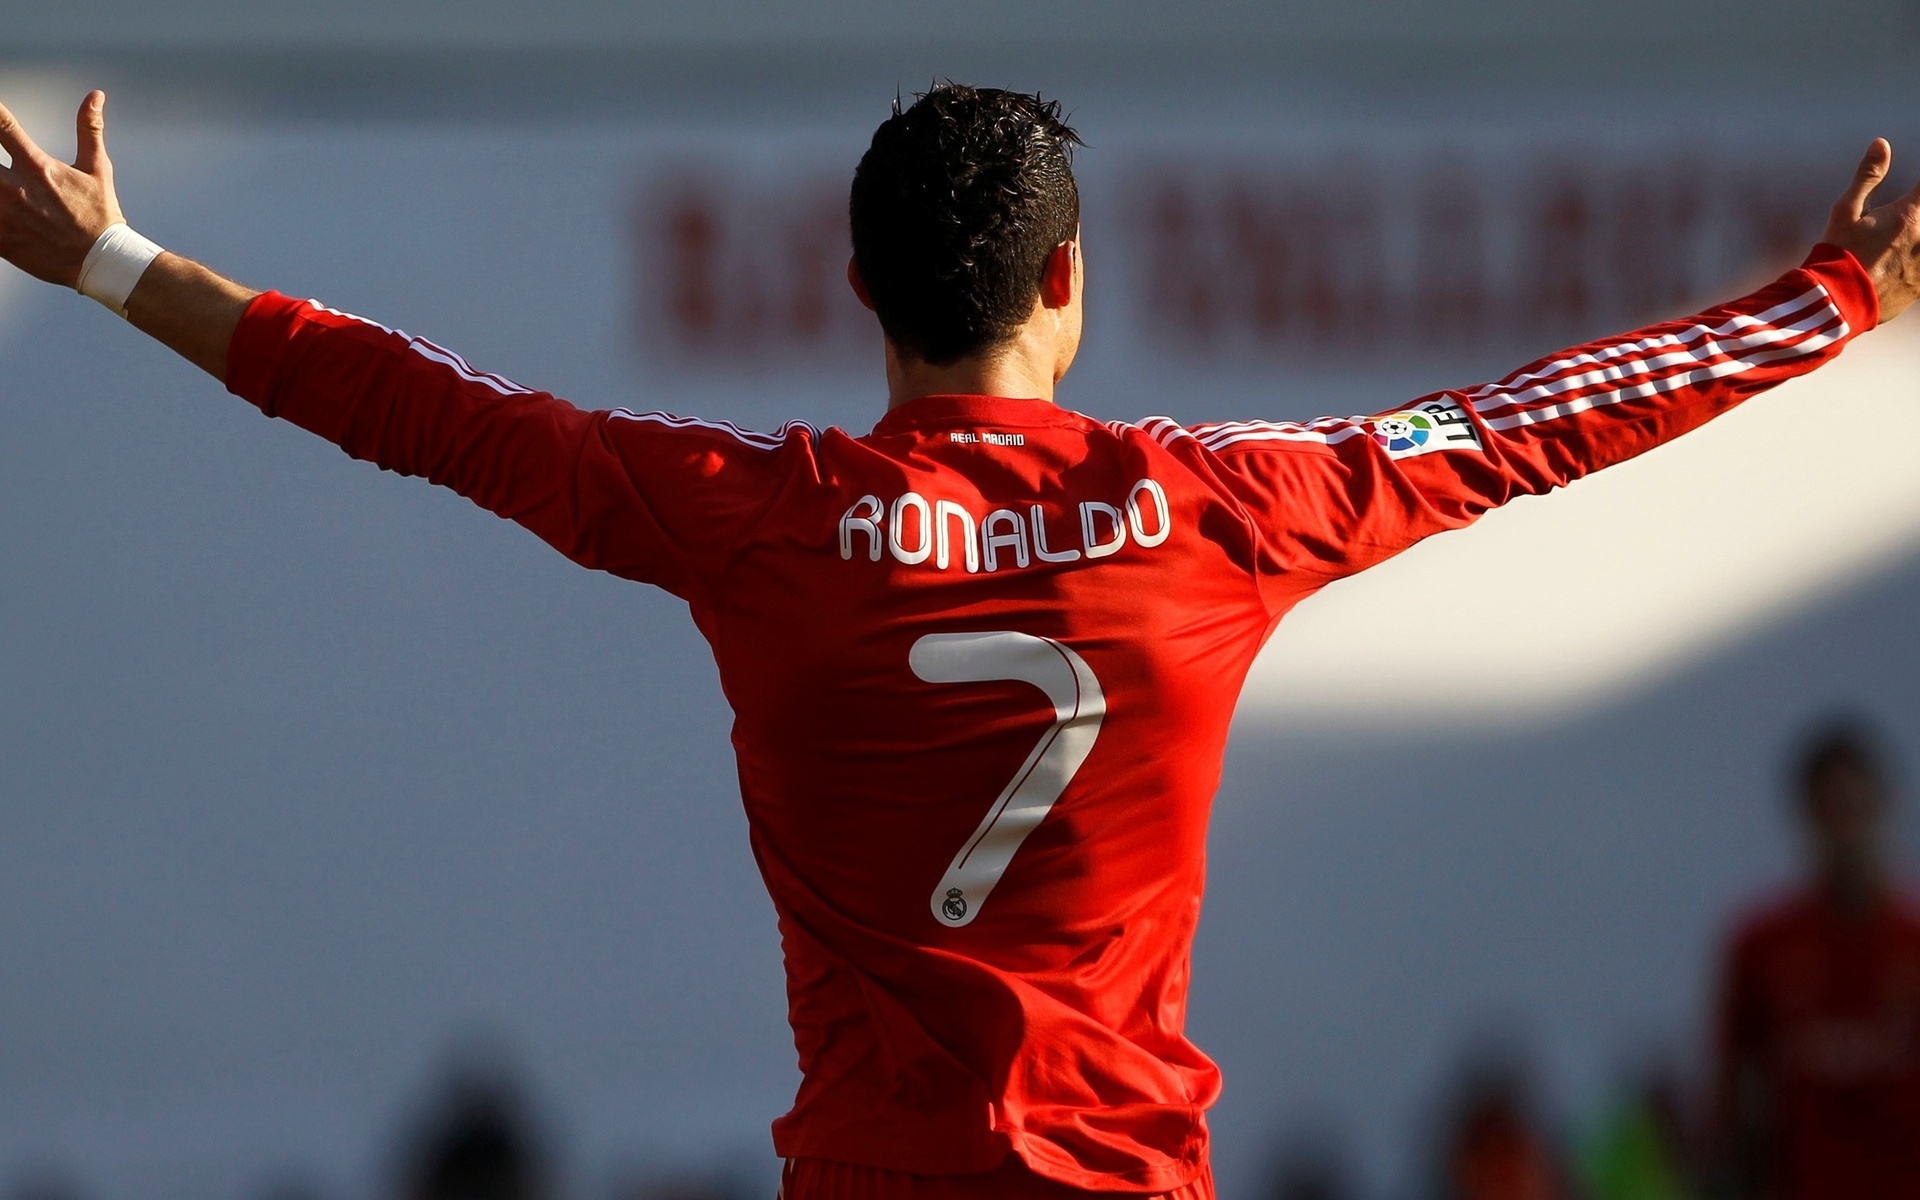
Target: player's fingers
{"x":90,"y":134}
{"x":1866,"y":177}
{"x":14,"y":140}
{"x":1906,"y":210}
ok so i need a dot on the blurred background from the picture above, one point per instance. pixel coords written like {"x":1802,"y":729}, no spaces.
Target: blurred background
{"x":353,"y":844}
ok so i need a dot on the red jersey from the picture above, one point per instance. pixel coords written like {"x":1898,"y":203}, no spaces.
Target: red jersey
{"x":1827,"y":1008}
{"x":982,"y":661}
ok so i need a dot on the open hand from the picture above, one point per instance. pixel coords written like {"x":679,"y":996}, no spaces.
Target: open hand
{"x":52,"y":213}
{"x":1886,"y":240}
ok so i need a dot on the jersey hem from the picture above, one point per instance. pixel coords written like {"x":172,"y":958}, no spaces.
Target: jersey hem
{"x":1037,"y":1154}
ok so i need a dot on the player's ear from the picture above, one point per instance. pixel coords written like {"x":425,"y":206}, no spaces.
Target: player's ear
{"x":858,"y":284}
{"x":1056,"y":278}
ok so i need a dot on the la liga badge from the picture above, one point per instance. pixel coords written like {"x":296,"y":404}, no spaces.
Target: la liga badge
{"x":1431,"y":425}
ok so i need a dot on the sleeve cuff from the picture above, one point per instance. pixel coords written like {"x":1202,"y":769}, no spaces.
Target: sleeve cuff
{"x":1848,"y":283}
{"x":259,"y":343}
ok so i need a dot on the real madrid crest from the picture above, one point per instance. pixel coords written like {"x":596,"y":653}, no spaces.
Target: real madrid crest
{"x":955,"y":905}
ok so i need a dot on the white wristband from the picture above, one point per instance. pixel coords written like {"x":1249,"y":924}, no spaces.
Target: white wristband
{"x":115,"y":264}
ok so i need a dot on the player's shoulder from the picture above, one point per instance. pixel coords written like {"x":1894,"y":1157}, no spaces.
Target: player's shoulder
{"x":1217,"y":437}
{"x":1156,"y":438}
{"x":713,"y":449}
{"x":721,"y":431}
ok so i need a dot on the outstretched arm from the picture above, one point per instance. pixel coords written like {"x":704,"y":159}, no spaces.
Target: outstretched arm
{"x":52,"y":213}
{"x":650,"y":497}
{"x":1330,"y":497}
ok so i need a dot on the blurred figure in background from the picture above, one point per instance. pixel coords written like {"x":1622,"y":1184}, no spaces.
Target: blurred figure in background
{"x":477,"y":1144}
{"x":1310,"y":1178}
{"x":1493,"y":1148}
{"x":1641,"y":1148}
{"x":1819,"y":1026}
{"x":1312,"y":1167}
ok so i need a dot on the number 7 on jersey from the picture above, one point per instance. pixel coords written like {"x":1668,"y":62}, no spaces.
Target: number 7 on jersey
{"x":1078,"y":708}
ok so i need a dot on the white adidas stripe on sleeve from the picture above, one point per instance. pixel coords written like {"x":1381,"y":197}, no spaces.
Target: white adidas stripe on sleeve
{"x":1581,"y":382}
{"x":441,"y":355}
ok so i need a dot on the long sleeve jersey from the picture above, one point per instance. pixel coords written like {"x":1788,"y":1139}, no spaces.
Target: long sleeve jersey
{"x":982,"y":662}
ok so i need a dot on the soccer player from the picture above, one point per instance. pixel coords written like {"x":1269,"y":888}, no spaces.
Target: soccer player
{"x":983,"y":658}
{"x":1819,"y":1024}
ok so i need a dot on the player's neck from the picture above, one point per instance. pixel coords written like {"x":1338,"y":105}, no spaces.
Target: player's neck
{"x":1853,"y":892}
{"x":1021,"y":370}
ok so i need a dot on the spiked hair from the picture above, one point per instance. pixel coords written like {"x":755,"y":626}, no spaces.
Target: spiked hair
{"x":955,"y":207}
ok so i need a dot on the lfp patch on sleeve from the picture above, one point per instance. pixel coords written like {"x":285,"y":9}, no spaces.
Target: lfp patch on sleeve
{"x":1438,"y":424}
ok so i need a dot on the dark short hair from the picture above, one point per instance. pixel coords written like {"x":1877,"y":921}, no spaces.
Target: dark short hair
{"x":1844,"y":743}
{"x":955,"y":207}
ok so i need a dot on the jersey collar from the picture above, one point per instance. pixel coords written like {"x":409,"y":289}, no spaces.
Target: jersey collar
{"x":934,"y":412}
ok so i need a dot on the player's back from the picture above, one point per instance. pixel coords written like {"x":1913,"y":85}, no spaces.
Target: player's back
{"x":983,"y":661}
